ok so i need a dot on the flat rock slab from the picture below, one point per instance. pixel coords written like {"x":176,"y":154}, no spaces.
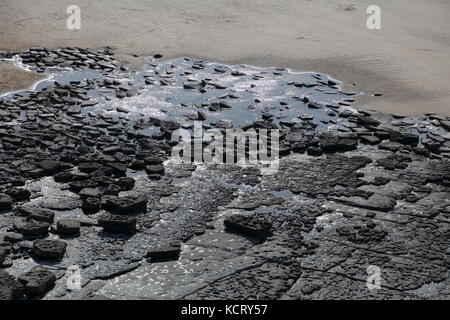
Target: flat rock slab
{"x":49,"y":249}
{"x":118,"y":224}
{"x":37,"y":214}
{"x":248,"y":225}
{"x":376,"y":202}
{"x":29,"y":227}
{"x":13,"y":237}
{"x":124,"y":205}
{"x":52,"y":166}
{"x":164,"y":253}
{"x":90,"y":192}
{"x":38,"y":280}
{"x":68,"y":226}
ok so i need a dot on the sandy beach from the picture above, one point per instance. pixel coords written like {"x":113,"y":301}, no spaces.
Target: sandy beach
{"x":408,"y":60}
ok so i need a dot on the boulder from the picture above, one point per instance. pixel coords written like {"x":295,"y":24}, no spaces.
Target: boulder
{"x":63,"y":177}
{"x":38,"y":280}
{"x":90,"y":192}
{"x":314,"y":151}
{"x":125,"y":183}
{"x":52,"y":166}
{"x":31,"y":228}
{"x":37,"y":214}
{"x":118,"y":224}
{"x":347,"y":144}
{"x":12,"y":288}
{"x":68,"y":226}
{"x":91,"y":205}
{"x":248,"y":225}
{"x":49,"y":249}
{"x":128,"y":204}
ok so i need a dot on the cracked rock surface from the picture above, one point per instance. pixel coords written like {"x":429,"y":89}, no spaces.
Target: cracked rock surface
{"x":89,"y":195}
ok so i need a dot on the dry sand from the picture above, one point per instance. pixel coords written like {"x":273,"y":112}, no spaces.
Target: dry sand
{"x":408,"y":60}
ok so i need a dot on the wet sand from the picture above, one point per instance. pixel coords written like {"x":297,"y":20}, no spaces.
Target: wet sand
{"x":408,"y":61}
{"x":15,"y":79}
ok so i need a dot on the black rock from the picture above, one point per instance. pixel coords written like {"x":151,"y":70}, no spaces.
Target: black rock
{"x":314,"y":151}
{"x":367,"y":121}
{"x":112,"y":189}
{"x":68,"y":226}
{"x":5,"y":201}
{"x":128,"y":204}
{"x":91,"y":205}
{"x":77,"y":186}
{"x":90,"y":192}
{"x":445,"y":124}
{"x":328,"y":142}
{"x":376,"y":202}
{"x":49,"y":249}
{"x":164,"y":253}
{"x":345,"y":113}
{"x":369,"y":139}
{"x":407,"y":138}
{"x":380,"y":181}
{"x":391,"y":146}
{"x":31,"y":228}
{"x":155,"y":169}
{"x":314,"y":105}
{"x":63,"y":177}
{"x":3,"y":254}
{"x":137,"y":164}
{"x":89,"y":167}
{"x":394,"y":162}
{"x":38,"y":280}
{"x":248,"y":225}
{"x":118,"y":224}
{"x":13,"y":237}
{"x":52,"y":166}
{"x":431,"y":145}
{"x":125,"y":183}
{"x":19,"y":194}
{"x":119,"y":169}
{"x":10,"y":285}
{"x":36,"y":213}
{"x":347,"y":144}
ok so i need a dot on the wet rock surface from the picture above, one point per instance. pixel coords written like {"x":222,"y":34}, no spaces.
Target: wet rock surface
{"x":87,"y":184}
{"x":49,"y":249}
{"x":37,"y":281}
